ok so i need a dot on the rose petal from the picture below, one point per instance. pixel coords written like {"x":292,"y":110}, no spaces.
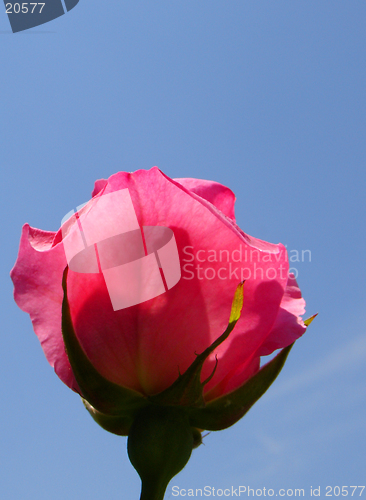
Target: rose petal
{"x":217,"y":194}
{"x":234,"y":379}
{"x":37,"y":277}
{"x":289,"y":325}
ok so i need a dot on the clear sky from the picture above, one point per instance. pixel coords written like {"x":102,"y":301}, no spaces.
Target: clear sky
{"x":265,"y":97}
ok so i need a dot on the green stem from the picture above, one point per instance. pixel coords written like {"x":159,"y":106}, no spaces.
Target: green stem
{"x":152,"y":491}
{"x":159,"y":445}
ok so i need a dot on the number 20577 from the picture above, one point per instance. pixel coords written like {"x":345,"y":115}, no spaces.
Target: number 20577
{"x":16,"y":8}
{"x":343,"y":491}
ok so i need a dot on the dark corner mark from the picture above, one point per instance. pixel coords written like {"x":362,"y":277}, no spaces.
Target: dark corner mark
{"x":26,"y":15}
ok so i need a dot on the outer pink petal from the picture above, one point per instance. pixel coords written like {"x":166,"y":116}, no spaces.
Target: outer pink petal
{"x":98,"y":186}
{"x":289,"y":325}
{"x":234,"y":379}
{"x":37,"y":277}
{"x":217,"y":194}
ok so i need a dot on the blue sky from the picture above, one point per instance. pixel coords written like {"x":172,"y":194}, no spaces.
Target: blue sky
{"x":265,"y":97}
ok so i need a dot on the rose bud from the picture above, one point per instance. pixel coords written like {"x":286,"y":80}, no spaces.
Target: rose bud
{"x":131,"y":302}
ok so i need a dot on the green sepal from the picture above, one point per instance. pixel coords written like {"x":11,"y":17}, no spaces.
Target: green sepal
{"x":119,"y":425}
{"x":187,"y":390}
{"x":310,"y":320}
{"x":103,"y":395}
{"x":226,"y":410}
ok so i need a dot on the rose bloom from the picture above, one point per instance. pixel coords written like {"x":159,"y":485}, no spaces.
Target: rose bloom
{"x":144,"y":347}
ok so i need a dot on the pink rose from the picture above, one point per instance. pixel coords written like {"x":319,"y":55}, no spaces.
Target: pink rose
{"x":145,"y":346}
